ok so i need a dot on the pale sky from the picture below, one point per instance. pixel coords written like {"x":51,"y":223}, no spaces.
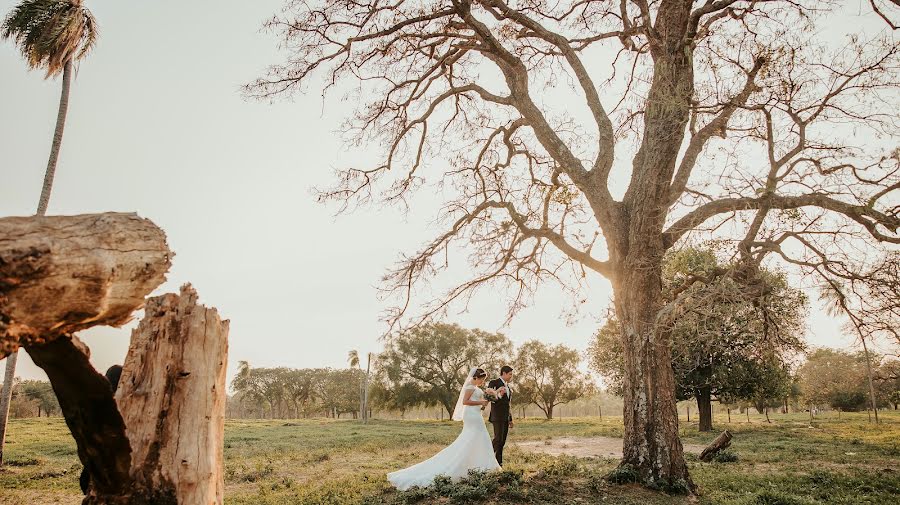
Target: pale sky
{"x":157,"y":126}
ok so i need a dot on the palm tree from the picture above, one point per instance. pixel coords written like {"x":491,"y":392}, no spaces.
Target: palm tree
{"x":52,"y":35}
{"x":836,"y":303}
{"x":353,"y":358}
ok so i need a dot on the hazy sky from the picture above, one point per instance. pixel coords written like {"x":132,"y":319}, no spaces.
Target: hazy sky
{"x":157,"y":126}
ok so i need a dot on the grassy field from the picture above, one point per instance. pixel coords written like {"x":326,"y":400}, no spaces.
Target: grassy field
{"x":788,"y":462}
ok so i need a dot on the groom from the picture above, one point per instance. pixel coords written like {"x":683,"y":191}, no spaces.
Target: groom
{"x":500,"y":415}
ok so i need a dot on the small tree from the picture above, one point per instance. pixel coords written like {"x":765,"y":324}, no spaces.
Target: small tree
{"x":729,"y":344}
{"x":429,"y":363}
{"x":42,"y":393}
{"x":835,"y":378}
{"x":548,"y":376}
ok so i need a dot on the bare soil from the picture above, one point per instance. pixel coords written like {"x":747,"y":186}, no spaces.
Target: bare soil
{"x":597,"y":447}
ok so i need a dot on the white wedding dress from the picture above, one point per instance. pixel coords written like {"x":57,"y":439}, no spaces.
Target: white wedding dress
{"x":472,"y":450}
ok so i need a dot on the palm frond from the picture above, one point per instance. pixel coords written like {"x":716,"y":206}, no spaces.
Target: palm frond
{"x":50,"y":33}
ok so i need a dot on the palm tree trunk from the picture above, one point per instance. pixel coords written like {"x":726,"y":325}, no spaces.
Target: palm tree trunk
{"x":6,"y":392}
{"x":57,"y":139}
{"x":6,"y":397}
{"x":366,"y":389}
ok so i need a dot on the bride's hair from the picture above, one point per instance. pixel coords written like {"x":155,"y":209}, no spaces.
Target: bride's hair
{"x":479,"y":373}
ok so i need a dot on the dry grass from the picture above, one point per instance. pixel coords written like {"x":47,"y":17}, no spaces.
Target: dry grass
{"x":846,"y":461}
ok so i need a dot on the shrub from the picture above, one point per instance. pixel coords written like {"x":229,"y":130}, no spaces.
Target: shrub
{"x":562,"y":466}
{"x":623,"y":474}
{"x":725,"y":457}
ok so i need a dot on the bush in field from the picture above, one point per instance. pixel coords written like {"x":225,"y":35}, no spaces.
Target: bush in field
{"x":726,"y":457}
{"x":476,"y":487}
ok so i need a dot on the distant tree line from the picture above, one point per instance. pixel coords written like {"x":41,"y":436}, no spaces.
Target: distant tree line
{"x":294,"y":393}
{"x":836,"y":379}
{"x":421,"y":367}
{"x":32,"y":398}
{"x":745,"y":349}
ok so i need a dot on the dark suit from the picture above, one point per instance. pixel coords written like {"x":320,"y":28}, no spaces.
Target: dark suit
{"x":500,"y":417}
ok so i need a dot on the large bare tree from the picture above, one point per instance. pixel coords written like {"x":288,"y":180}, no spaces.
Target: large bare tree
{"x":582,"y":137}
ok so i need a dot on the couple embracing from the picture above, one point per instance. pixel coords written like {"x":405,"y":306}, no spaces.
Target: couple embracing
{"x":473,"y":449}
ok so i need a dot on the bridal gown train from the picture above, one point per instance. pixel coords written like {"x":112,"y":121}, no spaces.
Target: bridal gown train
{"x":472,"y":450}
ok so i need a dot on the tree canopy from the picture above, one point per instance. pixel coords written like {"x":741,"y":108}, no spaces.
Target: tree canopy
{"x":428,"y":364}
{"x":548,"y":376}
{"x":729,"y":344}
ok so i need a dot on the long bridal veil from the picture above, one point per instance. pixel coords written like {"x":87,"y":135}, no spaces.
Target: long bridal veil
{"x":458,"y":410}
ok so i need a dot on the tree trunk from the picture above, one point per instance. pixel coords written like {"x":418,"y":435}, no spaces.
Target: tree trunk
{"x":172,"y":397}
{"x":549,"y":412}
{"x":50,"y":173}
{"x":767,"y":415}
{"x":43,"y":201}
{"x":721,"y":442}
{"x":86,"y":400}
{"x":704,"y":406}
{"x":6,"y":398}
{"x":366,"y":389}
{"x":651,"y":444}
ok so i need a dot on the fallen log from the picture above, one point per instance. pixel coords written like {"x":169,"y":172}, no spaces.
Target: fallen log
{"x":63,"y":274}
{"x":723,"y":441}
{"x":172,"y":398}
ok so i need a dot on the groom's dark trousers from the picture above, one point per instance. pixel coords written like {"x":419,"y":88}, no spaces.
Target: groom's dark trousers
{"x":500,"y":417}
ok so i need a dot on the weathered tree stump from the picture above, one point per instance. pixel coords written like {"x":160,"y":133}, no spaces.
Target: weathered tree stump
{"x":59,"y":275}
{"x":63,"y":274}
{"x":723,"y":441}
{"x":172,"y":398}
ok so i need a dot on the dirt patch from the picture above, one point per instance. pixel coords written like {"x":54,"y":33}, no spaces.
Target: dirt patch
{"x":598,"y":447}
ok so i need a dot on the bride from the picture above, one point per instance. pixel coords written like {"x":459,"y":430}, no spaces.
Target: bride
{"x":472,"y":449}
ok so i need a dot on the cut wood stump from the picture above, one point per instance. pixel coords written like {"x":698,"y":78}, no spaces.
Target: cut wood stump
{"x":160,"y":440}
{"x":723,"y":441}
{"x":172,"y":398}
{"x":63,"y":274}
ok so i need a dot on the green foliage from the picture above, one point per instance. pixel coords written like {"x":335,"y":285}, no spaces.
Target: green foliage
{"x":836,"y":378}
{"x":731,"y":340}
{"x":428,"y":364}
{"x":50,"y":33}
{"x":285,"y":392}
{"x":776,"y":498}
{"x":548,"y":376}
{"x":33,"y":398}
{"x":623,"y":474}
{"x":475,"y":488}
{"x":726,"y":456}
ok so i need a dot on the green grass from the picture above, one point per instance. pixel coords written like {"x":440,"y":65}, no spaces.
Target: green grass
{"x":788,"y":462}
